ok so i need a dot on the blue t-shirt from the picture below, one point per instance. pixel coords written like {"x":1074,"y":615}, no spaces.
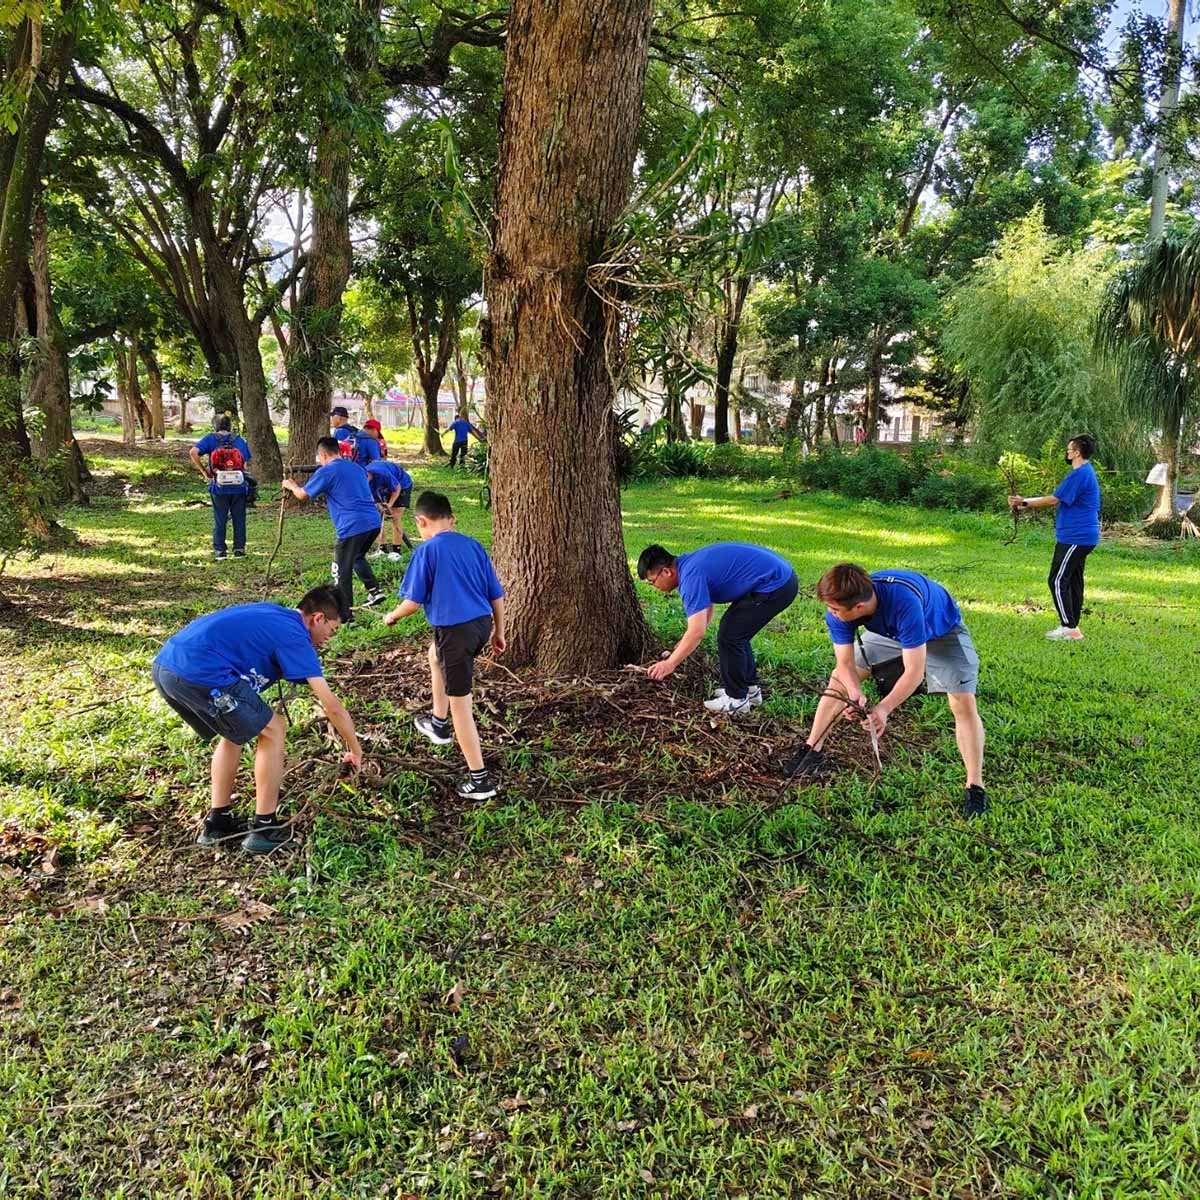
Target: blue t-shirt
{"x":913,"y":609}
{"x":727,"y":571}
{"x":1077,"y":517}
{"x":452,"y":576}
{"x":460,"y":429}
{"x":386,"y":477}
{"x":262,"y":643}
{"x":348,"y":493}
{"x":342,"y":432}
{"x":214,"y":441}
{"x":366,"y":449}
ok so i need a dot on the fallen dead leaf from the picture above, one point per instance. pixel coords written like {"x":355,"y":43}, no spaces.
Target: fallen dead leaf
{"x":626,"y":1126}
{"x":647,"y":1176}
{"x":240,"y":920}
{"x":750,"y":1111}
{"x":51,"y":861}
{"x":513,"y":1103}
{"x":454,"y":997}
{"x":9,"y":998}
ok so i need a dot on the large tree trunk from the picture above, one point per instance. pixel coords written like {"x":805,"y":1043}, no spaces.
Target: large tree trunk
{"x":133,"y":382}
{"x":729,"y":325}
{"x":183,"y":421}
{"x":697,"y":420}
{"x":154,"y":393}
{"x":1168,"y":103}
{"x":874,"y":387}
{"x":44,"y":63}
{"x":431,"y":385}
{"x":129,"y":421}
{"x":1164,"y":506}
{"x":50,"y":385}
{"x":256,"y":411}
{"x":573,"y":84}
{"x":432,"y":361}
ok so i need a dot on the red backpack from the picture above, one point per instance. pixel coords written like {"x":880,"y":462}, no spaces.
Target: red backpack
{"x":226,"y":458}
{"x":349,"y":444}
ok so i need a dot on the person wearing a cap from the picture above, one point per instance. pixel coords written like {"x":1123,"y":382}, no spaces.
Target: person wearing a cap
{"x":351,"y":443}
{"x":376,"y":431}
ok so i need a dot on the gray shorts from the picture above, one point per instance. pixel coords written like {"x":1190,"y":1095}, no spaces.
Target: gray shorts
{"x":951,"y":663}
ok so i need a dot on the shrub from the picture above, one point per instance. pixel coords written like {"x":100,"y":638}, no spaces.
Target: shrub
{"x":679,"y":459}
{"x":1124,"y":498}
{"x":960,"y":485}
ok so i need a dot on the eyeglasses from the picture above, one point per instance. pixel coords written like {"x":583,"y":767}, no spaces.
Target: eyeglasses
{"x":652,"y":580}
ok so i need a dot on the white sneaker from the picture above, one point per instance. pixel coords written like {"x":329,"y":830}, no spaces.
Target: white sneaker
{"x":1064,"y":634}
{"x":374,"y":598}
{"x":728,"y":706}
{"x":393,"y":556}
{"x":754,"y":695}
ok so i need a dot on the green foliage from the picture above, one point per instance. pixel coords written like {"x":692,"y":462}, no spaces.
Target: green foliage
{"x":29,"y":489}
{"x":1019,"y":329}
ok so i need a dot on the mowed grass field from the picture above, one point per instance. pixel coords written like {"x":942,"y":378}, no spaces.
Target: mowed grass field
{"x":698,"y":982}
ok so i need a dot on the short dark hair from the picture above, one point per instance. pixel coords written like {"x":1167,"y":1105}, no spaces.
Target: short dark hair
{"x":324,"y":598}
{"x":652,"y":559}
{"x":1084,"y":443}
{"x":224,"y":425}
{"x":433,"y":506}
{"x":329,"y":445}
{"x":846,"y":584}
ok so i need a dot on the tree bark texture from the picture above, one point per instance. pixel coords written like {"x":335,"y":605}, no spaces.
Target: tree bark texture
{"x":20,"y":164}
{"x":154,"y":392}
{"x":1164,"y":506}
{"x":50,"y":383}
{"x":431,"y":358}
{"x":573,"y":87}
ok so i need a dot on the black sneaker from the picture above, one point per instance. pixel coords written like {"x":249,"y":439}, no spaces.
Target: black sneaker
{"x":262,"y":839}
{"x":476,"y":786}
{"x":975,"y":801}
{"x":220,"y":556}
{"x":222,"y":830}
{"x":375,"y":597}
{"x":440,"y":733}
{"x":239,"y":554}
{"x":807,"y":763}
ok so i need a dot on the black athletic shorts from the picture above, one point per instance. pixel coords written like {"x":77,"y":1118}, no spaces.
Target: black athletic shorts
{"x":457,"y":646}
{"x":236,"y":712}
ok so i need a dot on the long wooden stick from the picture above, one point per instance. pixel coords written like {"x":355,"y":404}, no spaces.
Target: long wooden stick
{"x":283,"y":495}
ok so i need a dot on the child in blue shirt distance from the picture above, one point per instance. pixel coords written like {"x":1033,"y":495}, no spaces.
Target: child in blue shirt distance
{"x":391,"y":485}
{"x":460,"y":427}
{"x":355,"y":520}
{"x":451,"y":576}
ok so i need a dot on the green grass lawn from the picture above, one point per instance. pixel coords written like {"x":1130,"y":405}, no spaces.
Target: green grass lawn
{"x":692,"y":983}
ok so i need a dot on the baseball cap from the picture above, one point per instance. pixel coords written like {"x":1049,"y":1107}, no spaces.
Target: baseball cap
{"x":371,"y":424}
{"x":339,"y":411}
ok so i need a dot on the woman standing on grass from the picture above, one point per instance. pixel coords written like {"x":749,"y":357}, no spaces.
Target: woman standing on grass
{"x":1076,"y":502}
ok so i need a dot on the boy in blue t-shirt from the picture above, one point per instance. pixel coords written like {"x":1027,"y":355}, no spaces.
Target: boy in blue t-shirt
{"x":345,"y":486}
{"x":903,"y":619}
{"x":212,"y":673}
{"x":460,"y":427}
{"x":451,"y":576}
{"x":391,"y":485}
{"x":1076,"y":504}
{"x":756,"y":583}
{"x":227,"y":456}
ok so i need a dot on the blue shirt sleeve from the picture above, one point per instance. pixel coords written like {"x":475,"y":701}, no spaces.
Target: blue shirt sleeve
{"x":908,"y":614}
{"x":693,"y":591}
{"x":840,"y":633}
{"x":207,"y":444}
{"x":318,"y":482}
{"x":494,"y":590}
{"x":417,"y":584}
{"x":1068,"y":491}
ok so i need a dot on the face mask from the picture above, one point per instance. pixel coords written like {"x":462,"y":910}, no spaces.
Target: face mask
{"x":1067,"y":456}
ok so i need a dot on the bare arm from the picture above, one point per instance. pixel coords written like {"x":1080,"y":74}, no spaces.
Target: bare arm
{"x":692,"y":637}
{"x":292,"y":486}
{"x":405,"y":608}
{"x":909,"y":681}
{"x":499,"y":641}
{"x":339,"y":718}
{"x":194,"y":455}
{"x":845,"y":671}
{"x":1033,"y":501}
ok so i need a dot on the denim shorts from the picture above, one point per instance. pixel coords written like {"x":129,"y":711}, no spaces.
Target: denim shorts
{"x":237,"y":713}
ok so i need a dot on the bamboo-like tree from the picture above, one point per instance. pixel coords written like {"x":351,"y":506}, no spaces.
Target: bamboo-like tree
{"x":1149,"y":327}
